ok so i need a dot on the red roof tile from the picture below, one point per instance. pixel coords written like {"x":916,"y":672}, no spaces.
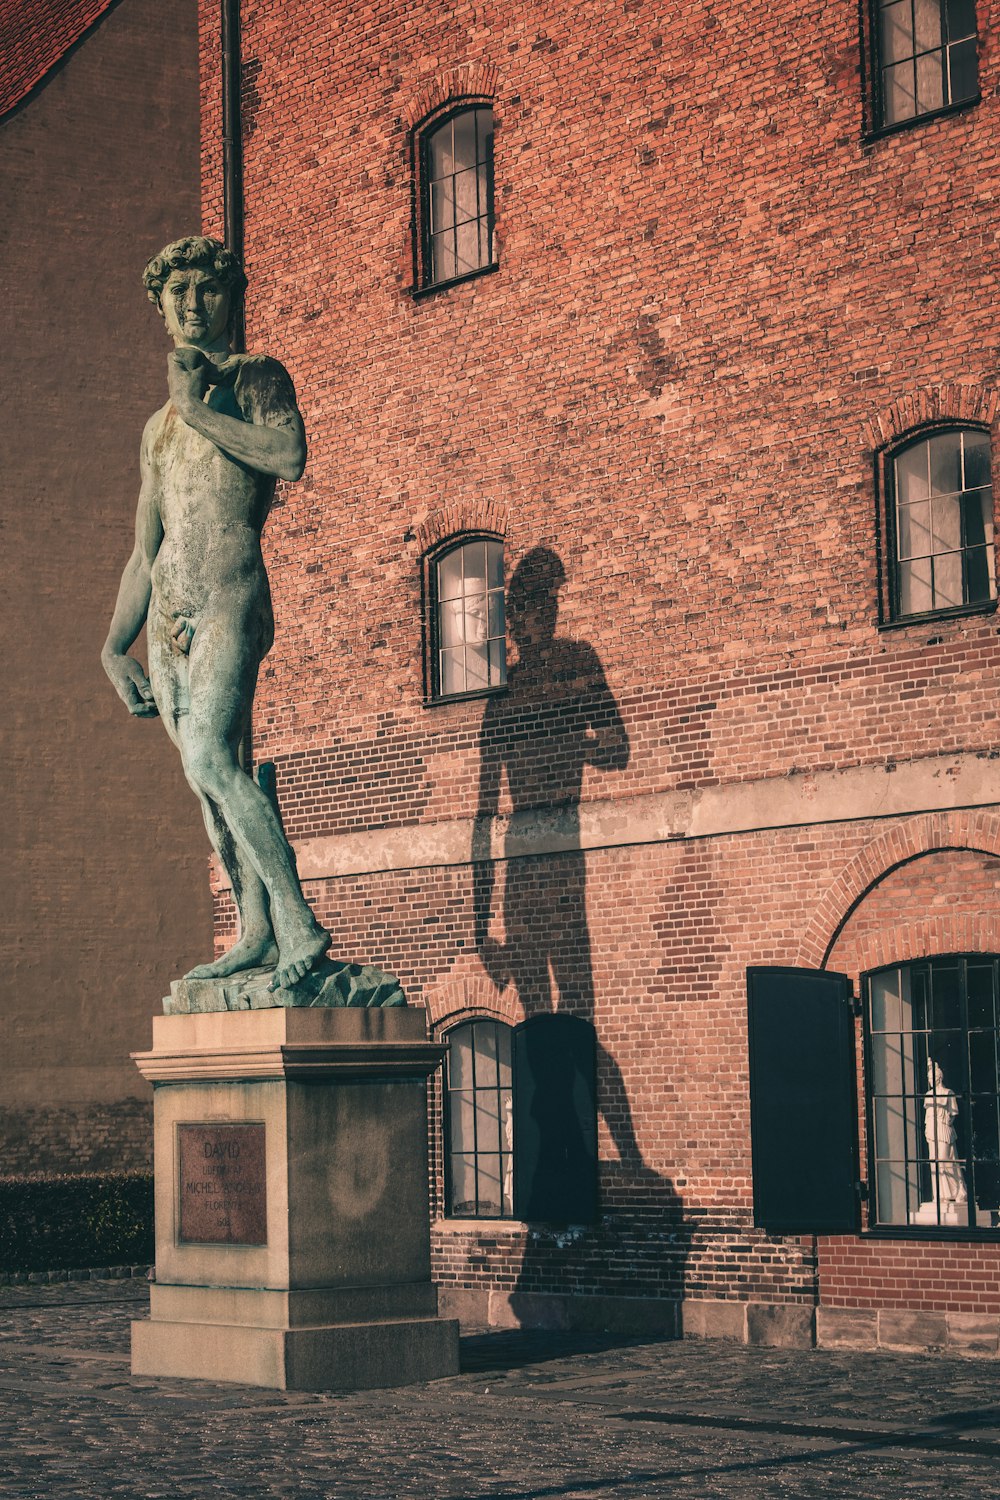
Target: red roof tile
{"x":34,"y":36}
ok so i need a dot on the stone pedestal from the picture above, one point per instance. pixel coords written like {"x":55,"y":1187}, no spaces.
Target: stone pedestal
{"x":292,"y":1216}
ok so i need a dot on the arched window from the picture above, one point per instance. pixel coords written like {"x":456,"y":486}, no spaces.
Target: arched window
{"x":479,"y":1121}
{"x":456,"y":194}
{"x":940,"y":521}
{"x":468,"y":651}
{"x":931,"y":1037}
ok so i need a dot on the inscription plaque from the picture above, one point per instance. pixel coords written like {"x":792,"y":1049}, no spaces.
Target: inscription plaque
{"x":223,"y":1184}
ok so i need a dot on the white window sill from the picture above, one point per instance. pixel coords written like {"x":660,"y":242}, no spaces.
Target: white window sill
{"x":479,"y":1226}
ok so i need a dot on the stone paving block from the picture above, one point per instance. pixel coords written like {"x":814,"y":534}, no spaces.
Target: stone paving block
{"x":470,"y":1306}
{"x":629,"y":1316}
{"x":534,"y":1414}
{"x":973,"y":1333}
{"x":900,"y":1328}
{"x":846,"y":1327}
{"x":527,"y":1310}
{"x":625,"y":1315}
{"x":781,"y":1326}
{"x":711,"y":1318}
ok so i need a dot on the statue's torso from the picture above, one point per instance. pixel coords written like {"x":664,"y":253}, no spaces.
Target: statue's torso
{"x":212,"y":508}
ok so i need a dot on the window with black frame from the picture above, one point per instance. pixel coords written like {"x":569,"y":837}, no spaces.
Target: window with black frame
{"x":940,"y":515}
{"x":467,"y":629}
{"x":479,"y":1121}
{"x":925,"y":57}
{"x":456,"y":169}
{"x":932,"y":1039}
{"x":520,"y":1120}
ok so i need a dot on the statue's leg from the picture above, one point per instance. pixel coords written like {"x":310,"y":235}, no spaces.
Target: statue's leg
{"x":256,"y":946}
{"x":222,"y":666}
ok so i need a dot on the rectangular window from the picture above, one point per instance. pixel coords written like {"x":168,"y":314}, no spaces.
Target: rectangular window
{"x":456,"y":163}
{"x":479,"y":1121}
{"x":934,"y":1093}
{"x":925,"y":57}
{"x":942,"y":522}
{"x":467,"y":627}
{"x":521,"y":1120}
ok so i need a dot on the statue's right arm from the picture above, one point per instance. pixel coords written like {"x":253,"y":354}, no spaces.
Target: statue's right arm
{"x":130,"y":681}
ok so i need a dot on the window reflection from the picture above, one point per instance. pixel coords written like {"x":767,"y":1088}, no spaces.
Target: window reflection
{"x":927,"y":56}
{"x":935,"y":1093}
{"x":470,"y":645}
{"x":480,"y":1121}
{"x":458,"y":195}
{"x":944,"y":523}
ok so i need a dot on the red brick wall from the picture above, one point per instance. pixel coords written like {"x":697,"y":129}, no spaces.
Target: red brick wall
{"x":664,"y":262}
{"x":924,"y":1276}
{"x":708,"y":288}
{"x":652,"y":943}
{"x":683,"y":737}
{"x":714,"y":301}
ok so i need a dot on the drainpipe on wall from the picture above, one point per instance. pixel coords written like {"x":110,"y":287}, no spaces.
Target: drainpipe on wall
{"x":232,"y":146}
{"x":232,"y":208}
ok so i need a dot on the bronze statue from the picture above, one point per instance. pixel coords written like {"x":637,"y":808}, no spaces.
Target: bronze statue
{"x":210,"y":458}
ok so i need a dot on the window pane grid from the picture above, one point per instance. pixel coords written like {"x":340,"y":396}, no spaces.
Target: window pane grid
{"x":459,"y":195}
{"x":935,"y":1093}
{"x":944,"y":523}
{"x":471,"y":648}
{"x":480,"y":1121}
{"x":927,"y":56}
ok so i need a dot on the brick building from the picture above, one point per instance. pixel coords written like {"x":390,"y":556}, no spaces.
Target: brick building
{"x":102,"y":840}
{"x":675,"y":332}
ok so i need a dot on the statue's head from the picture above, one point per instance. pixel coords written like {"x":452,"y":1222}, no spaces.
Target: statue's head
{"x":195,"y":253}
{"x":196,"y":284}
{"x":533,"y":596}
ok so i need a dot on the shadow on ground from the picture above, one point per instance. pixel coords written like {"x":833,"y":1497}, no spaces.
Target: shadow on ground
{"x":515,"y":1348}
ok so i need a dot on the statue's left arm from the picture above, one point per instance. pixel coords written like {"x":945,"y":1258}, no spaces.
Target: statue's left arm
{"x":272,"y":440}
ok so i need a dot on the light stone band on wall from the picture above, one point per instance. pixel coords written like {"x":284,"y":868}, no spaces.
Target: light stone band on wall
{"x":800,"y":799}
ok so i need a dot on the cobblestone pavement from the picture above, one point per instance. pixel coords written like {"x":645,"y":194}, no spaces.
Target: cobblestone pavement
{"x":532,"y":1417}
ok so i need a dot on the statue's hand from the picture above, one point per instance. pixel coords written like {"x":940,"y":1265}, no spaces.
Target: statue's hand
{"x":187,"y":377}
{"x":131,"y":684}
{"x":495,"y":959}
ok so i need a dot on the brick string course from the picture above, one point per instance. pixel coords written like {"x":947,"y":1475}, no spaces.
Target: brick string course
{"x":714,"y":301}
{"x":80,"y":1137}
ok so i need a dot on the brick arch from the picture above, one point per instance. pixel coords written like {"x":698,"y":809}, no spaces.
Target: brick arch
{"x":925,"y":833}
{"x":465,"y":997}
{"x":936,"y":403}
{"x":926,"y":938}
{"x":470,"y":81}
{"x":463,"y":515}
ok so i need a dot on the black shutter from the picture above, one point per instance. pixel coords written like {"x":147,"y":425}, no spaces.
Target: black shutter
{"x":555,"y":1120}
{"x":803,"y":1103}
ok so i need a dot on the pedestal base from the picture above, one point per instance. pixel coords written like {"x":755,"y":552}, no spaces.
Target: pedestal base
{"x":331,"y":1357}
{"x":292,"y":1232}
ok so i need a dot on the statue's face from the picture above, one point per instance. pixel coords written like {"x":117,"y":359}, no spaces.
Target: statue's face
{"x":195,"y":307}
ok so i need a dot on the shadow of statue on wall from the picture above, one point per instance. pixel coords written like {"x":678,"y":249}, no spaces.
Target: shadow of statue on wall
{"x":556,"y":720}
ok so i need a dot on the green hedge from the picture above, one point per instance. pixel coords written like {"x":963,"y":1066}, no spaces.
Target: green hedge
{"x":68,"y":1223}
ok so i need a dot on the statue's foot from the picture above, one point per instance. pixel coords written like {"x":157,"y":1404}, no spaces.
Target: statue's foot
{"x":298,"y":956}
{"x":249,"y":952}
